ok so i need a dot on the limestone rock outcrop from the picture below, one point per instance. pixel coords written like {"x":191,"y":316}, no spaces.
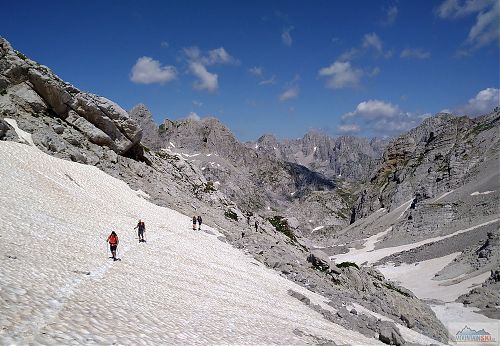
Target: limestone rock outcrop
{"x":26,"y":86}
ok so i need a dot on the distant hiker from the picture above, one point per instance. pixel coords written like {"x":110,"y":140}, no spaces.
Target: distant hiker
{"x":248,"y":219}
{"x":113,"y":243}
{"x":194,"y":223}
{"x":199,"y":222}
{"x":256,"y":225}
{"x":141,"y":228}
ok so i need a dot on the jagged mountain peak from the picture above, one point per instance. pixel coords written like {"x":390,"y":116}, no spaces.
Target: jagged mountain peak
{"x":141,"y":110}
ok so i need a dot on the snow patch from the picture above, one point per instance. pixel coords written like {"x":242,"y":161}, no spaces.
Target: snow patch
{"x":407,"y":206}
{"x":418,"y":277}
{"x":370,"y":255}
{"x":318,"y":228}
{"x":23,"y":135}
{"x":171,"y":144}
{"x":227,"y":299}
{"x":481,"y":193}
{"x":443,"y":195}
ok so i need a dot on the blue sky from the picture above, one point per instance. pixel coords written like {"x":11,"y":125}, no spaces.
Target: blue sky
{"x":373,"y":68}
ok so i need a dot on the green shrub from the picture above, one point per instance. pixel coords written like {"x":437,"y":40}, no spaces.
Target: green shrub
{"x":347,"y":264}
{"x":281,"y":225}
{"x":230,"y":214}
{"x":395,"y":288}
{"x":209,"y":187}
{"x":166,"y":156}
{"x":3,"y":92}
{"x":21,"y":55}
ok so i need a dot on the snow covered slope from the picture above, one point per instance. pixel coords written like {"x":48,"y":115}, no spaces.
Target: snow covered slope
{"x":58,"y":285}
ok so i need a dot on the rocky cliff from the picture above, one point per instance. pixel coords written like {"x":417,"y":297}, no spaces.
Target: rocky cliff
{"x":441,"y":154}
{"x":348,"y":157}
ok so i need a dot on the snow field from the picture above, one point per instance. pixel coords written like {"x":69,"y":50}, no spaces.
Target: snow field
{"x":181,"y":287}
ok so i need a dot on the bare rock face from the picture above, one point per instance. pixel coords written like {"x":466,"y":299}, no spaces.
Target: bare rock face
{"x":349,"y":157}
{"x":486,"y":297}
{"x":32,"y":88}
{"x":389,"y":334}
{"x":436,"y":157}
{"x":151,"y":136}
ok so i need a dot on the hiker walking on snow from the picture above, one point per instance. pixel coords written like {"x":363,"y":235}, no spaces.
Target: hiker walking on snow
{"x":199,"y":223}
{"x":256,"y":225}
{"x":113,"y":244}
{"x":141,"y":228}
{"x":194,"y":223}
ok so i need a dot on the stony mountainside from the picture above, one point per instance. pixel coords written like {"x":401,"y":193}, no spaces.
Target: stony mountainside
{"x":349,"y":157}
{"x":486,"y":297}
{"x":256,"y":181}
{"x":37,"y":108}
{"x":441,"y":154}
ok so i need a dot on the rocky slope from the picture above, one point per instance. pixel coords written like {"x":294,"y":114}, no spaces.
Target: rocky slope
{"x":349,"y":157}
{"x":486,"y":297}
{"x":257,"y":182}
{"x":38,"y":108}
{"x":438,"y":156}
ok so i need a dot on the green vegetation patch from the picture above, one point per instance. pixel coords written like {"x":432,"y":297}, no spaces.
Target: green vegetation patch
{"x":21,"y":55}
{"x":397,"y":289}
{"x":347,"y":265}
{"x":281,"y":225}
{"x":209,"y":187}
{"x":166,"y":156}
{"x":230,"y":214}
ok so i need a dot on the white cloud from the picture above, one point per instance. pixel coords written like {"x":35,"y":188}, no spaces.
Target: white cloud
{"x":461,"y":8}
{"x":290,"y":93}
{"x":197,"y":66}
{"x":206,"y":80}
{"x":349,"y":128}
{"x":380,"y":118}
{"x":193,"y":53}
{"x":193,"y":116}
{"x":341,"y":75}
{"x":391,"y":15}
{"x":484,"y":102}
{"x":349,"y":54}
{"x":485,"y":30}
{"x":271,"y":80}
{"x":219,"y":56}
{"x":149,"y":71}
{"x":373,"y":109}
{"x":259,"y":73}
{"x":286,"y":38}
{"x":164,"y":44}
{"x":256,"y":71}
{"x":373,"y":41}
{"x":416,"y":53}
{"x":197,"y":103}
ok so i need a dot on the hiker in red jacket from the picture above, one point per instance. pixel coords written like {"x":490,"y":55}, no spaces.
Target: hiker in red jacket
{"x":113,"y":243}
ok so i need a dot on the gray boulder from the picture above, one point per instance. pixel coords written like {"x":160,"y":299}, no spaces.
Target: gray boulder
{"x":390,"y":334}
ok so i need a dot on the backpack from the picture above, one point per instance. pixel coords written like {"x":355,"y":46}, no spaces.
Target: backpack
{"x":113,"y":239}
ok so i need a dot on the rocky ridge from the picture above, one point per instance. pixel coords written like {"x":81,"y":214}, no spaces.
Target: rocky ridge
{"x":347,"y":157}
